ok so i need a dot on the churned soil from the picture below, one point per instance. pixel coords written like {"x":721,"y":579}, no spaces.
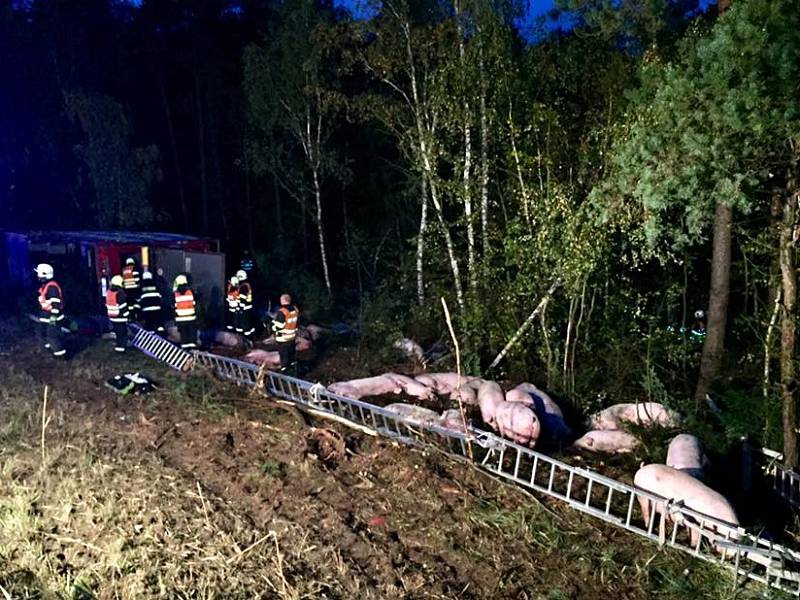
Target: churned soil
{"x":291,"y":508}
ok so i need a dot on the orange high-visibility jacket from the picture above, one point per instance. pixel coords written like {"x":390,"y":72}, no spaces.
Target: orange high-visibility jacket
{"x":184,"y":305}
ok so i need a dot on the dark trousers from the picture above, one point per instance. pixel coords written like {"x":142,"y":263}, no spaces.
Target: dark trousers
{"x":152,"y":320}
{"x":120,"y":335}
{"x":232,"y":318}
{"x":286,"y":353}
{"x":52,"y":337}
{"x":244,"y":322}
{"x":188,"y":333}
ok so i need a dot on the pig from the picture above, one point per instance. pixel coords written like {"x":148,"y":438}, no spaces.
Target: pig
{"x":415,"y":415}
{"x":444,"y":383}
{"x":554,"y":427}
{"x":678,"y":486}
{"x":611,"y":442}
{"x":411,"y":387}
{"x":451,"y":419}
{"x":263,"y":357}
{"x":314,"y":332}
{"x":368,"y":386}
{"x":643,"y":413}
{"x":227,"y":338}
{"x":410,"y":349}
{"x":490,"y":396}
{"x":685,"y":453}
{"x":302,"y":344}
{"x":517,"y":422}
{"x":465,"y":393}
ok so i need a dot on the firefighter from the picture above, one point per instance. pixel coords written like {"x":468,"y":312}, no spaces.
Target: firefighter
{"x":284,"y":325}
{"x":150,"y":302}
{"x":118,"y":312}
{"x":130,"y":276}
{"x":185,"y":313}
{"x":246,"y":325}
{"x":232,"y":301}
{"x":51,"y":310}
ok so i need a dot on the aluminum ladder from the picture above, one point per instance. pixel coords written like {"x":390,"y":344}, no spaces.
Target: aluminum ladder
{"x":157,"y":347}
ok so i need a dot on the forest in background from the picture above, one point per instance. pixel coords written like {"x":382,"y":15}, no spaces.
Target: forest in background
{"x":617,"y":176}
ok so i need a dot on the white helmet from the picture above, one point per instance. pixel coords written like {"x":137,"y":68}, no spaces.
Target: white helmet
{"x":699,"y":314}
{"x":234,"y":280}
{"x":130,"y":261}
{"x":147,"y":275}
{"x":44,"y":271}
{"x":241,"y":275}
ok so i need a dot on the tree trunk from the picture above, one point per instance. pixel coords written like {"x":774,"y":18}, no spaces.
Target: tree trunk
{"x":484,"y":173}
{"x":320,"y":230}
{"x":276,"y":197}
{"x":714,"y":344}
{"x":789,"y":288}
{"x":423,"y":225}
{"x":174,"y":147}
{"x":201,"y":146}
{"x":248,"y":198}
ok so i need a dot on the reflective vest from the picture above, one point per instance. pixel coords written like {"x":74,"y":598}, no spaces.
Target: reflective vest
{"x":150,"y":298}
{"x":130,"y":277}
{"x":232,"y":298}
{"x":117,"y":311}
{"x":245,"y":296}
{"x":184,"y":305}
{"x":50,"y":302}
{"x":286,"y":331}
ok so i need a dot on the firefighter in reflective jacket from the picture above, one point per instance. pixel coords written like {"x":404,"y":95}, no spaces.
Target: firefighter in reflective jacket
{"x":185,"y":314}
{"x":284,"y":325}
{"x":51,"y":310}
{"x":118,"y":312}
{"x":150,"y":302}
{"x":130,"y":276}
{"x":245,"y":325}
{"x":232,"y":304}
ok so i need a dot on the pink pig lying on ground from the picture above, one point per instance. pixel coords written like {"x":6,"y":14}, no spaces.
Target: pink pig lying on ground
{"x":554,"y":427}
{"x":451,"y":419}
{"x":411,"y":387}
{"x":416,"y":415}
{"x":263,"y":357}
{"x":227,"y":338}
{"x":682,"y":487}
{"x":643,"y":413}
{"x":368,"y":386}
{"x":685,"y":453}
{"x":610,"y":442}
{"x":512,"y":420}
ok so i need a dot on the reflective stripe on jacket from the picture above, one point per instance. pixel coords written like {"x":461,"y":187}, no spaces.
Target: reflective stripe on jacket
{"x":150,"y":298}
{"x":245,"y":296}
{"x":184,"y":305}
{"x":232,"y":298}
{"x":286,"y":330}
{"x":116,"y":306}
{"x":50,"y":302}
{"x":130,"y":277}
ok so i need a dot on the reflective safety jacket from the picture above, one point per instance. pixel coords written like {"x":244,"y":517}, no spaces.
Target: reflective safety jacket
{"x":285,"y":323}
{"x":117,"y":306}
{"x":150,"y":298}
{"x":51,"y":302}
{"x":184,"y":304}
{"x":232,"y":297}
{"x":130,"y":277}
{"x":245,"y":296}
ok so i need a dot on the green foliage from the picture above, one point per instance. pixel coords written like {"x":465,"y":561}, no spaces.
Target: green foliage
{"x":121,"y":176}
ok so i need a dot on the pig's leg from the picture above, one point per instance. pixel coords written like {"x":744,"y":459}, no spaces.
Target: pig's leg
{"x":644,"y":504}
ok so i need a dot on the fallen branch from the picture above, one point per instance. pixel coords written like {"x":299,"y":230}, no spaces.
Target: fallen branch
{"x":458,"y":381}
{"x":522,"y":328}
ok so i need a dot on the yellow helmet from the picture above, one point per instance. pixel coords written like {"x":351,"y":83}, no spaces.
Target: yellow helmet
{"x":117,"y":280}
{"x":181,"y":280}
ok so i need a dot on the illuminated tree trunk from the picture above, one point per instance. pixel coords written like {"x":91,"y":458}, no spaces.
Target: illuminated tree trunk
{"x":787,"y":360}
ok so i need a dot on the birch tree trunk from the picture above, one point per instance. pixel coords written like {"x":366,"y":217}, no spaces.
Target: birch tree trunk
{"x":423,"y":225}
{"x":484,"y":172}
{"x":320,"y":230}
{"x":787,"y":360}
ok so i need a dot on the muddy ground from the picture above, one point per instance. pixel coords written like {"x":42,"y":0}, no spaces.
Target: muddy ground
{"x":202,"y":490}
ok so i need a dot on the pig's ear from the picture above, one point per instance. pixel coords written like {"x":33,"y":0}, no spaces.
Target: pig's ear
{"x":590,"y":442}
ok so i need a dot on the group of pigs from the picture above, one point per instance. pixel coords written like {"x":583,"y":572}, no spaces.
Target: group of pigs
{"x":526,"y":414}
